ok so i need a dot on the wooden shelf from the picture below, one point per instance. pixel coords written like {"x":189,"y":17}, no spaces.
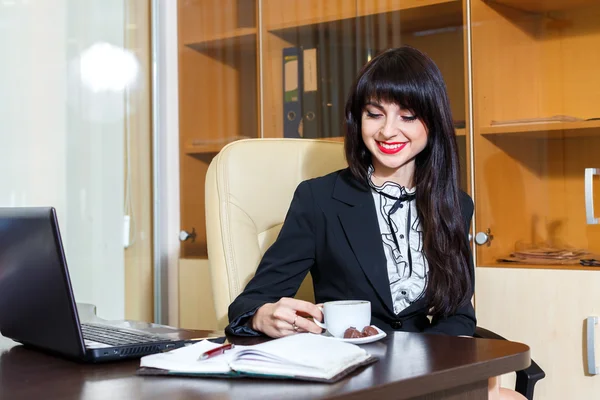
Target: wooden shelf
{"x":411,"y":16}
{"x":334,"y":139}
{"x":210,"y":148}
{"x":576,"y":267}
{"x":459,"y":132}
{"x":555,"y":130}
{"x":542,"y":6}
{"x":418,"y":15}
{"x":241,"y":37}
{"x":316,"y":21}
{"x":204,"y":149}
{"x":368,"y":7}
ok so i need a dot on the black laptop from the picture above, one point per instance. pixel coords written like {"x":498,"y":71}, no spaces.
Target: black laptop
{"x":37,"y":306}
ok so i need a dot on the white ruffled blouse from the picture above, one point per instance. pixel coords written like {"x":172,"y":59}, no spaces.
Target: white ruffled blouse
{"x":402,"y":238}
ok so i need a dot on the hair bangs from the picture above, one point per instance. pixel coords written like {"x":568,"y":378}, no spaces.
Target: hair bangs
{"x":391,"y":82}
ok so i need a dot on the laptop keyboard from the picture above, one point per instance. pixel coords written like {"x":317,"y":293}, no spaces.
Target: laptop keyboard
{"x":116,"y":336}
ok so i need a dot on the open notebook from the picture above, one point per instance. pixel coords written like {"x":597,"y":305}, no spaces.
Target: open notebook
{"x":303,"y":356}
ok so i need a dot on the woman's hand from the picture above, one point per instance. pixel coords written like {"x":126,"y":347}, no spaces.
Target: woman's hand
{"x":286,"y":317}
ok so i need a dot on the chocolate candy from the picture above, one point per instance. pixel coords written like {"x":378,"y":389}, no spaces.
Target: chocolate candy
{"x":369,"y":331}
{"x":352,"y":333}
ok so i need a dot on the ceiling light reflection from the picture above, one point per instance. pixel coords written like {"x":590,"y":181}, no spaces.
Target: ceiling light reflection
{"x":105,"y":67}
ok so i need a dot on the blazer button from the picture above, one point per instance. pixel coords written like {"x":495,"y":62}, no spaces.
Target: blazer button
{"x":397,"y":324}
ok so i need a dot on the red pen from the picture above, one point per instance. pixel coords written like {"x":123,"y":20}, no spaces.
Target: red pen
{"x":215,"y":352}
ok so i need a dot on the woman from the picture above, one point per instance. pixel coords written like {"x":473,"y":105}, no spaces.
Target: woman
{"x":391,"y":228}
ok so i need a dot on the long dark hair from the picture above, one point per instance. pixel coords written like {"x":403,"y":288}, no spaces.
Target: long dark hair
{"x":410,"y":79}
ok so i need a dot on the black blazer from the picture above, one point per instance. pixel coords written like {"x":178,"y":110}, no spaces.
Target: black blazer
{"x":331,"y":230}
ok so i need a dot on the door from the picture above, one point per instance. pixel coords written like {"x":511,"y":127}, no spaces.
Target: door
{"x":283,"y":68}
{"x":536,"y":96}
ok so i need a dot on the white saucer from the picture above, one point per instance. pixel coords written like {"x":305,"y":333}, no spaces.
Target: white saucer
{"x":362,"y":340}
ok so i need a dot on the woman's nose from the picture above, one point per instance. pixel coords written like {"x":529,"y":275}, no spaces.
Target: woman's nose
{"x":391,"y":129}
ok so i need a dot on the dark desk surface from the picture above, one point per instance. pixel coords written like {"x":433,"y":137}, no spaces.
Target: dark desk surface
{"x":410,"y":365}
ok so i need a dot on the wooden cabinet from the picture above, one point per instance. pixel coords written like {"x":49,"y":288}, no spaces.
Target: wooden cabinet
{"x":522,"y":76}
{"x":535,"y":63}
{"x":218,"y":96}
{"x":231,"y":83}
{"x":196,"y":295}
{"x":231,"y":71}
{"x":536,"y":101}
{"x":547,"y":310}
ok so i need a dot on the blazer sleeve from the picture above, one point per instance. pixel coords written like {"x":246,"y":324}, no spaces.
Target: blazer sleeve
{"x":283,"y":266}
{"x":463,"y":322}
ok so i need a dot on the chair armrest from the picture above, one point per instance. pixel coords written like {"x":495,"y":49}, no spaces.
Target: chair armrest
{"x":527,"y":378}
{"x":486,"y":334}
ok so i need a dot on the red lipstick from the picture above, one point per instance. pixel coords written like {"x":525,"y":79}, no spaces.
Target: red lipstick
{"x":395,"y":150}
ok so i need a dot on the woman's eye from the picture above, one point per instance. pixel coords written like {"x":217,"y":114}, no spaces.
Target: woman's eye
{"x":409,"y":118}
{"x":372,"y":115}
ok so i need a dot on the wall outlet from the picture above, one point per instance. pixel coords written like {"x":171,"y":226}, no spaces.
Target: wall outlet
{"x":126,"y":231}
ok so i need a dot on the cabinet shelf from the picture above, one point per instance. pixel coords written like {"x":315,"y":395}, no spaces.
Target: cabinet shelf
{"x":542,"y":6}
{"x":410,"y":17}
{"x":378,"y":7}
{"x":211,"y":147}
{"x":576,"y":267}
{"x":418,"y":15}
{"x":204,"y":149}
{"x":241,"y":37}
{"x":334,"y":139}
{"x":555,"y":130}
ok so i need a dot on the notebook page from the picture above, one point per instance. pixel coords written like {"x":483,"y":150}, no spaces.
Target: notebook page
{"x":185,"y":359}
{"x":297,"y":354}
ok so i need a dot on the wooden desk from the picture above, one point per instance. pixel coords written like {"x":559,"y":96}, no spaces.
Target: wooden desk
{"x":411,"y":366}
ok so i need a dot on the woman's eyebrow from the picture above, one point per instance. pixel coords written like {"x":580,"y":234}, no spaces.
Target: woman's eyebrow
{"x":374,"y":104}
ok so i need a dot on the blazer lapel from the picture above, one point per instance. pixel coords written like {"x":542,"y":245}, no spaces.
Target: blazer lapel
{"x":360,"y":225}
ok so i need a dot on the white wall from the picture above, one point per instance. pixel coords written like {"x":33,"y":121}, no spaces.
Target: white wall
{"x":62,"y":140}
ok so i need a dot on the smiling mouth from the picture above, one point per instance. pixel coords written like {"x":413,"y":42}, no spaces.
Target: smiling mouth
{"x":391,"y":148}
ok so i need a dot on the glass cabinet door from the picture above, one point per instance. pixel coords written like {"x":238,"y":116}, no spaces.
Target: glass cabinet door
{"x":283,"y":68}
{"x":218,"y":97}
{"x":311,"y":51}
{"x":537,"y":132}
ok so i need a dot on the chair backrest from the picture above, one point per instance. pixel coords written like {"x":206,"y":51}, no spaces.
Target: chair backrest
{"x":249,"y":187}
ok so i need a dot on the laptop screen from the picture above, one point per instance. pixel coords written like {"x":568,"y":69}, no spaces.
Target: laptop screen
{"x":36,"y":299}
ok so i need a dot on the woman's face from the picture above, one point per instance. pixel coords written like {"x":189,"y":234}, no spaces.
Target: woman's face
{"x":394,"y":136}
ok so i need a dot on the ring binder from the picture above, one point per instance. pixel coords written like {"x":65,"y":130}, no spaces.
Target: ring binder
{"x":292,"y":88}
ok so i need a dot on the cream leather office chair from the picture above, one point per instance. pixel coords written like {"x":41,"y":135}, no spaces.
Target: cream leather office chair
{"x":249,"y":187}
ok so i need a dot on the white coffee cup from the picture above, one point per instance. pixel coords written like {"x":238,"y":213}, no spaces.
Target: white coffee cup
{"x":343,"y":314}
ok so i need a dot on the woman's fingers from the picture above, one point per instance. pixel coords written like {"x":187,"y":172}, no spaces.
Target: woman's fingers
{"x":283,"y":327}
{"x":283,"y":324}
{"x":302,"y":307}
{"x":285,"y":314}
{"x":293,"y":310}
{"x":288,"y":312}
{"x":307,"y":325}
